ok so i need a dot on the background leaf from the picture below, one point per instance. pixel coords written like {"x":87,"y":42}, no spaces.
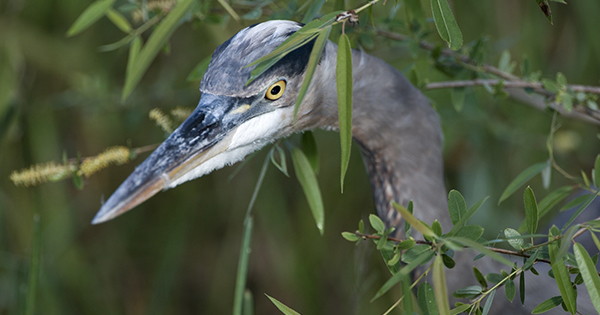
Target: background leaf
{"x":310,"y":186}
{"x":92,"y":14}
{"x":531,"y":210}
{"x":521,"y":179}
{"x":344,"y":94}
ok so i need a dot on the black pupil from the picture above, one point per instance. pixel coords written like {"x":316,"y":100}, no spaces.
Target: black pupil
{"x":275,"y":90}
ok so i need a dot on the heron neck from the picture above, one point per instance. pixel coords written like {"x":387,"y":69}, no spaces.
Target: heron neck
{"x":399,"y":135}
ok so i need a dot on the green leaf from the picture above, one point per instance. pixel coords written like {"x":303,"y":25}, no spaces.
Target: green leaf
{"x":596,"y":174}
{"x":407,"y":295}
{"x":242,"y":271}
{"x":446,"y":24}
{"x":580,"y":209}
{"x":516,"y":243}
{"x":395,"y":259}
{"x":344,"y":95}
{"x":480,"y":248}
{"x":480,"y":278}
{"x":459,"y":309}
{"x":155,"y":43}
{"x":561,"y":275}
{"x":521,"y":179}
{"x":510,"y":290}
{"x":589,"y":274}
{"x":522,"y":288}
{"x":415,"y":252}
{"x":134,"y":51}
{"x":312,"y":10}
{"x":414,"y":222}
{"x":376,"y":223}
{"x":89,"y":16}
{"x":545,"y":7}
{"x":310,"y":186}
{"x":282,"y":307}
{"x":470,"y":291}
{"x":549,"y":202}
{"x":350,"y":236}
{"x":472,"y":232}
{"x":439,"y":285}
{"x":596,"y":241}
{"x":488,"y":303}
{"x":118,"y":20}
{"x":282,"y":165}
{"x":561,"y":80}
{"x":467,"y":216}
{"x":565,"y":242}
{"x":436,"y":226}
{"x":199,"y":70}
{"x":456,"y":206}
{"x":309,"y":146}
{"x":426,"y":299}
{"x":547,"y":305}
{"x":303,"y":36}
{"x":531,"y":210}
{"x":421,"y":259}
{"x":313,"y":61}
{"x":550,"y":86}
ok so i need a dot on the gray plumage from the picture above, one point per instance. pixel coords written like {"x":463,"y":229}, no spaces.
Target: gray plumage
{"x":397,"y":130}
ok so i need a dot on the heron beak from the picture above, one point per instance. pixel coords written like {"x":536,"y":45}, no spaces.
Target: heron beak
{"x":204,"y":135}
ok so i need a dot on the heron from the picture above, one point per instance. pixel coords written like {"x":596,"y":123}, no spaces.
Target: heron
{"x":397,"y":130}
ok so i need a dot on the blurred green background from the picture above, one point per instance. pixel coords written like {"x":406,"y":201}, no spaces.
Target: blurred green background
{"x":177,"y":253}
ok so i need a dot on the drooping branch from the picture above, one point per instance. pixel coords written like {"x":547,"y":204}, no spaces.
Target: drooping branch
{"x":514,"y":85}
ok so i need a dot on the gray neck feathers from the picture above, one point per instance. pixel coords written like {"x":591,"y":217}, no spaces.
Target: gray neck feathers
{"x":397,"y":130}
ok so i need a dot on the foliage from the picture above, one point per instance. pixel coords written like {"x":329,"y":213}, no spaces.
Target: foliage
{"x":465,"y":67}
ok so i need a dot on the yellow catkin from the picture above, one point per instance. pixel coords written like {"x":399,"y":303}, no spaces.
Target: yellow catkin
{"x":162,"y":120}
{"x":181,"y":113}
{"x":40,"y":173}
{"x":114,"y":155}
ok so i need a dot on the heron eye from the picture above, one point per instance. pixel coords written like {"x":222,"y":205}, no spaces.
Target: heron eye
{"x":276,"y":90}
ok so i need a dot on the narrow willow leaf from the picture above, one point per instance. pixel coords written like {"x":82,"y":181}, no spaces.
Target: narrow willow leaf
{"x":89,"y":16}
{"x":467,"y":216}
{"x":479,"y":276}
{"x":531,"y":210}
{"x":549,"y":202}
{"x":134,"y":51}
{"x":229,"y":9}
{"x":589,"y":274}
{"x":407,"y":295}
{"x":516,"y":243}
{"x":34,"y":266}
{"x":282,"y":307}
{"x":303,"y":36}
{"x":282,"y":164}
{"x":446,"y":24}
{"x":470,"y":291}
{"x":521,"y":179}
{"x":547,"y":305}
{"x":242,"y":271}
{"x":561,"y":275}
{"x":313,"y":60}
{"x":596,"y":241}
{"x":457,"y":95}
{"x":344,"y":95}
{"x":457,"y":206}
{"x":426,"y":299}
{"x":580,"y":209}
{"x":439,"y":285}
{"x":376,"y":223}
{"x":309,"y":146}
{"x":574,"y":203}
{"x":118,"y":20}
{"x":199,"y":70}
{"x":310,"y":186}
{"x":596,"y":174}
{"x":415,"y":252}
{"x":460,"y":309}
{"x":155,"y":43}
{"x":565,"y":242}
{"x":480,"y":248}
{"x":510,"y":289}
{"x":414,"y":222}
{"x":488,"y":303}
{"x":312,"y":10}
{"x":522,"y":288}
{"x":423,"y":258}
{"x":547,"y":176}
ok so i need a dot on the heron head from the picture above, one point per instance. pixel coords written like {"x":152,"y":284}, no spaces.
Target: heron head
{"x":231,"y":120}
